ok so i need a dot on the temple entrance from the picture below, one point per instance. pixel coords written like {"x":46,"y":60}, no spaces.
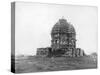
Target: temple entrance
{"x":58,"y":53}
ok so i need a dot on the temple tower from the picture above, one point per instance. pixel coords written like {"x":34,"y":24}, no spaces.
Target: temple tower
{"x":63,"y":38}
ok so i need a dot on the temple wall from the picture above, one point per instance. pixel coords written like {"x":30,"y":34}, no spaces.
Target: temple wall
{"x":42,"y":51}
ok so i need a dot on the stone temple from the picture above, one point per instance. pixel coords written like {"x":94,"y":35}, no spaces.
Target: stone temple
{"x":63,"y":43}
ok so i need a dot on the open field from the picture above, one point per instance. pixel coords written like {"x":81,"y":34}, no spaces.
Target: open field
{"x":40,"y":64}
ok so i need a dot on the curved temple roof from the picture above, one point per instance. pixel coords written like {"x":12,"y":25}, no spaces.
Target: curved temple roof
{"x":62,"y":26}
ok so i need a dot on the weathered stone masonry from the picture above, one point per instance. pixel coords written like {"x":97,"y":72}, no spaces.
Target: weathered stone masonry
{"x":63,"y":42}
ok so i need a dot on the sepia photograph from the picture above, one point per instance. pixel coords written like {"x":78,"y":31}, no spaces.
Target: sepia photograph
{"x":53,"y":37}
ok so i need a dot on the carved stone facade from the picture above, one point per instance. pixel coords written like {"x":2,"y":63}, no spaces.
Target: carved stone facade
{"x":63,"y":41}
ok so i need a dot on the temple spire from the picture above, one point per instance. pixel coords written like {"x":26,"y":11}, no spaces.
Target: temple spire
{"x":62,"y":17}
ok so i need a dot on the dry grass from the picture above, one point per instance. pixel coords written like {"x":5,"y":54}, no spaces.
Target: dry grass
{"x":39,"y":64}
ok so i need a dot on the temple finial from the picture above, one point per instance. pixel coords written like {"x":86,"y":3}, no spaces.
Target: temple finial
{"x":62,"y":17}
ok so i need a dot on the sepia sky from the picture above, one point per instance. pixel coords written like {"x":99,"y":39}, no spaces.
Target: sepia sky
{"x":34,"y":21}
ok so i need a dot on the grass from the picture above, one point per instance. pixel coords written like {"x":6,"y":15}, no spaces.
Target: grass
{"x":41,"y":64}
